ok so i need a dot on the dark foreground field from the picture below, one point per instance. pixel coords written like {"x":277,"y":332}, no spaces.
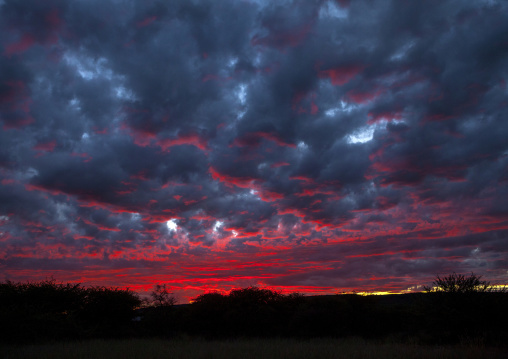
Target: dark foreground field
{"x":350,"y":348}
{"x":51,"y":320}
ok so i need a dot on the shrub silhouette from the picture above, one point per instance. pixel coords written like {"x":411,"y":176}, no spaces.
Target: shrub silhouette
{"x":108,"y":312}
{"x":248,"y":311}
{"x":36,"y":311}
{"x":161,"y":296}
{"x":459,"y":306}
{"x":459,"y":283}
{"x":46,"y":310}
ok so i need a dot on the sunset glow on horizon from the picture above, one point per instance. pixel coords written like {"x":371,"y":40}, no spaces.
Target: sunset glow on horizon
{"x":316,"y":146}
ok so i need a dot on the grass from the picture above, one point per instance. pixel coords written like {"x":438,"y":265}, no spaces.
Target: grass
{"x":350,"y":348}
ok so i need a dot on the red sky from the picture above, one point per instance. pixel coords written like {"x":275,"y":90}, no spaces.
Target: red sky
{"x":311,"y":146}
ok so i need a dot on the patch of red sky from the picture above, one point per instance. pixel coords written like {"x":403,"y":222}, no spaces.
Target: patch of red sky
{"x":383,"y":116}
{"x":160,"y":218}
{"x":45,"y":251}
{"x":279,"y":164}
{"x":193,"y":201}
{"x":293,"y":211}
{"x":54,"y":25}
{"x":17,"y":103}
{"x":24,"y":43}
{"x":54,"y":192}
{"x":302,"y":178}
{"x":312,"y":188}
{"x":174,"y":184}
{"x":391,"y":170}
{"x":146,"y":22}
{"x":127,"y":186}
{"x":244,"y":234}
{"x":142,"y":138}
{"x":100,"y":131}
{"x":389,"y":253}
{"x":268,"y":69}
{"x":230,"y":181}
{"x":101,"y":226}
{"x":184,"y":139}
{"x":246,"y":183}
{"x":44,"y":147}
{"x":125,"y":192}
{"x":253,"y":139}
{"x":141,"y":176}
{"x":311,"y":192}
{"x":90,"y":202}
{"x":54,"y":20}
{"x":8,"y":181}
{"x":145,"y":254}
{"x":341,"y":75}
{"x":268,"y":235}
{"x":385,"y":203}
{"x":85,"y":156}
{"x":269,"y":196}
{"x":145,"y":138}
{"x":363,"y":97}
{"x":304,"y":103}
{"x":203,"y":217}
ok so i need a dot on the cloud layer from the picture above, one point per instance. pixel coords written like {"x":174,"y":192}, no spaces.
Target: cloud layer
{"x":316,"y":146}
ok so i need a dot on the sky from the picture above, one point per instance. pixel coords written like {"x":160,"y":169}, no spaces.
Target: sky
{"x":315,"y":146}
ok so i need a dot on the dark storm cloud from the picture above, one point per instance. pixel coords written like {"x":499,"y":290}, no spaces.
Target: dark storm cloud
{"x":328,"y":139}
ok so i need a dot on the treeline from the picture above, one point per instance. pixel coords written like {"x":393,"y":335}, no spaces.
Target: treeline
{"x":50,"y":311}
{"x":436,"y":317}
{"x":47,"y":310}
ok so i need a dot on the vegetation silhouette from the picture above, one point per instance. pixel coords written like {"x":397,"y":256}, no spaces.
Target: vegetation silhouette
{"x":459,"y":306}
{"x":45,"y":310}
{"x":161,"y":296}
{"x":459,"y":283}
{"x":464,"y":308}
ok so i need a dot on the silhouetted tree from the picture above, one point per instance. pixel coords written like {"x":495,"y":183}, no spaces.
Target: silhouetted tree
{"x":162,"y":297}
{"x":209,"y":299}
{"x":108,"y":311}
{"x":49,"y":310}
{"x":458,"y":306}
{"x":208,"y":314}
{"x":39,"y":310}
{"x":459,"y":283}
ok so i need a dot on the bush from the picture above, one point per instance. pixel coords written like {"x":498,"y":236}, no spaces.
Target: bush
{"x":459,"y":283}
{"x":108,"y":312}
{"x":45,"y":310}
{"x":459,"y":306}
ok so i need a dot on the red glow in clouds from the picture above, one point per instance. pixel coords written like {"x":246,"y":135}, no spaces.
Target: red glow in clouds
{"x":317,"y":146}
{"x":341,"y":75}
{"x":23,"y":44}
